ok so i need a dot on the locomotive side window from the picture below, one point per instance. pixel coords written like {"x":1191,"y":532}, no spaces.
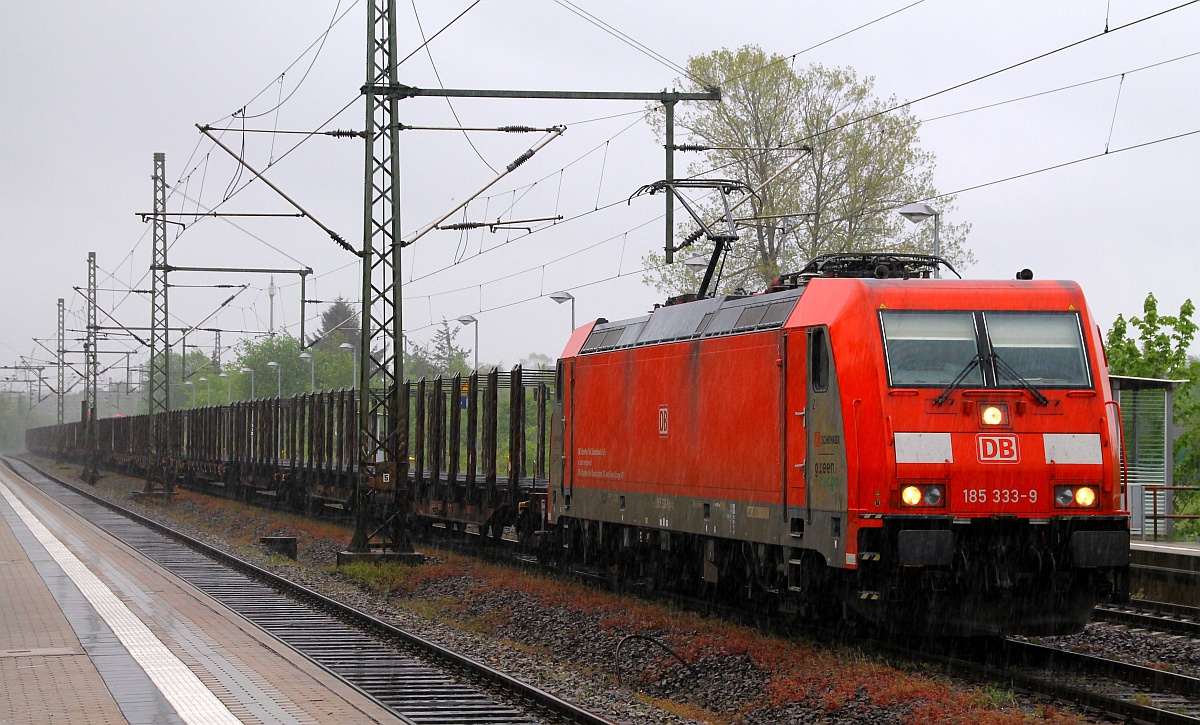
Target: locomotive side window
{"x":818,"y":360}
{"x":930,"y":348}
{"x":558,"y":382}
{"x":751,"y":316}
{"x":1044,"y":348}
{"x":601,"y":339}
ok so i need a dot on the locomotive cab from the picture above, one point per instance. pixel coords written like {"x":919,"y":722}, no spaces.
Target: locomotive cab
{"x":995,"y":490}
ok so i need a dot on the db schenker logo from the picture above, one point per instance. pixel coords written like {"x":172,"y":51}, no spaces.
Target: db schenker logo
{"x":997,"y":449}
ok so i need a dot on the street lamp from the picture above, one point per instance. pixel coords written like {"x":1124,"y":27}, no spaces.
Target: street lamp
{"x":251,"y":371}
{"x":191,"y":393}
{"x":917,"y":213}
{"x":228,"y":390}
{"x":561,"y":297}
{"x":207,"y":391}
{"x":469,"y":320}
{"x":278,"y":378}
{"x":312,"y":371}
{"x":353,"y":363}
{"x":697,"y":264}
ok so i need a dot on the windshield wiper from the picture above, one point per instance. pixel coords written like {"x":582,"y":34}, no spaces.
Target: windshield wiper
{"x":974,"y":362}
{"x":1008,"y":370}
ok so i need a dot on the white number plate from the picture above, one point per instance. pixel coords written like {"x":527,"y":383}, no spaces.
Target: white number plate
{"x":999,"y":495}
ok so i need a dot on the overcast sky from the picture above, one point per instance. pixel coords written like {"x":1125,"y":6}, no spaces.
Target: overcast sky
{"x":90,"y":91}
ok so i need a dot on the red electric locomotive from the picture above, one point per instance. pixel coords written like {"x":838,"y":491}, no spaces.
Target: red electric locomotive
{"x":862,"y":439}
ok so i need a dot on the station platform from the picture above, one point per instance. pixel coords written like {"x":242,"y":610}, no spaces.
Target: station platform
{"x":1165,"y":571}
{"x":93,"y":632}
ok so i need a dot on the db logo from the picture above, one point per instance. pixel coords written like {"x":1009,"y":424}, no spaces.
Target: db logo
{"x":662,"y":420}
{"x":997,"y":449}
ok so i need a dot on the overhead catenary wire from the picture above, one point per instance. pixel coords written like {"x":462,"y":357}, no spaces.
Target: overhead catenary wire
{"x":636,"y":45}
{"x":791,"y":58}
{"x":319,"y":43}
{"x":943,"y":116}
{"x":996,"y":72}
{"x":621,"y":274}
{"x":438,"y":75}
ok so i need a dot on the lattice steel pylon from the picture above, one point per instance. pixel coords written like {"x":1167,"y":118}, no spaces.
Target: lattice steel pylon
{"x":91,"y":373}
{"x":63,"y":361}
{"x":159,"y":384}
{"x":381,"y":497}
{"x":62,"y":373}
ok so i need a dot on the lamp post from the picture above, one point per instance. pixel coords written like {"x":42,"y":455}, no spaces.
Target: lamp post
{"x":278,"y":378}
{"x":191,"y":393}
{"x":469,"y":320}
{"x":228,"y":391}
{"x":353,"y":363}
{"x":917,"y":213}
{"x":207,"y":391}
{"x":312,"y":371}
{"x":561,"y":297}
{"x":251,"y":371}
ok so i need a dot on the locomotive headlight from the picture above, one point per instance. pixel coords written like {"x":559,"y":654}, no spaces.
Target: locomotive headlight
{"x":993,"y":415}
{"x":925,"y":495}
{"x":1085,"y":496}
{"x":1063,"y":495}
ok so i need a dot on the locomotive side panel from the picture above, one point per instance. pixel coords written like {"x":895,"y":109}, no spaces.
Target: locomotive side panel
{"x":682,"y":437}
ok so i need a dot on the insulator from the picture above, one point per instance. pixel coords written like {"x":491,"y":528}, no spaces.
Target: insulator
{"x":520,"y":160}
{"x":692,"y":238}
{"x":517,"y":129}
{"x":339,"y":133}
{"x":689,"y":147}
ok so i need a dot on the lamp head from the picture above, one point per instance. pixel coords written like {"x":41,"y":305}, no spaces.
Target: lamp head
{"x":917,"y":213}
{"x":305,"y":356}
{"x":467,"y":320}
{"x":561,"y":297}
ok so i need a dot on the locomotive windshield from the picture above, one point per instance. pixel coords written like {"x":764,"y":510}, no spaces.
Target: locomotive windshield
{"x":931,"y":348}
{"x":1044,"y":348}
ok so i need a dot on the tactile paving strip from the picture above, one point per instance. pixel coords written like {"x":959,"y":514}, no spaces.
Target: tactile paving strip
{"x":193,"y":702}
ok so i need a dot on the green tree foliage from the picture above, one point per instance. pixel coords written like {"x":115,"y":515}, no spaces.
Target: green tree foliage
{"x":327,"y":369}
{"x":340,"y":324}
{"x":1161,"y":351}
{"x":440,"y":357}
{"x":841,"y":199}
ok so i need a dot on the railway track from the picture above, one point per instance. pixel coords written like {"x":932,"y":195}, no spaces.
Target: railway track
{"x":422,"y":682}
{"x":1153,"y":616}
{"x":1113,"y":688}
